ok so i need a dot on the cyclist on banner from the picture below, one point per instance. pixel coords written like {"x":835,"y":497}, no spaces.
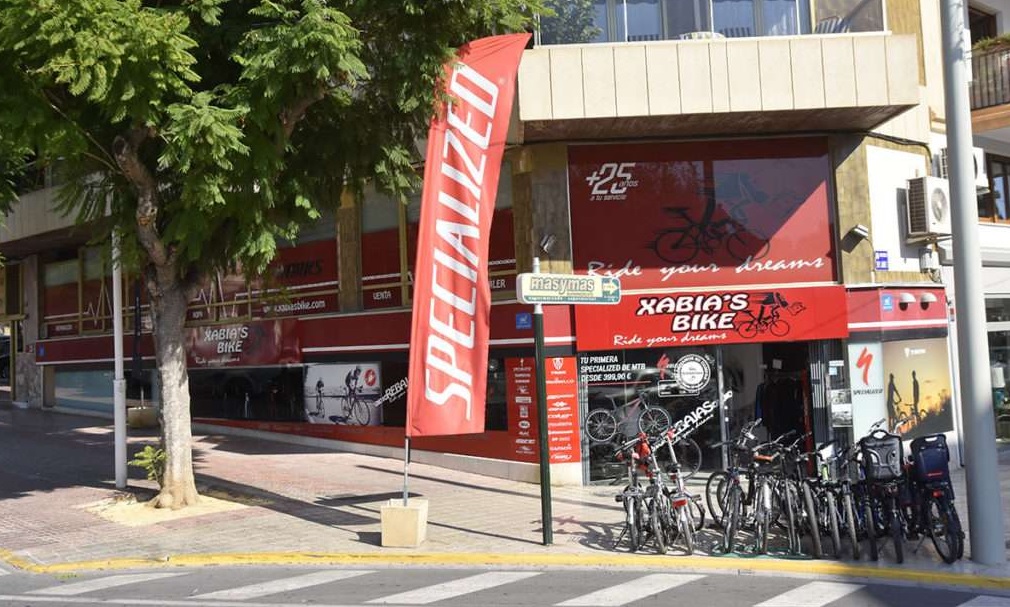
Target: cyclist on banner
{"x":351,"y":380}
{"x":772,"y":302}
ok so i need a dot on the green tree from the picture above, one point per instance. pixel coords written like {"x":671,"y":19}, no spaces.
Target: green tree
{"x":569,"y":22}
{"x":209,"y":129}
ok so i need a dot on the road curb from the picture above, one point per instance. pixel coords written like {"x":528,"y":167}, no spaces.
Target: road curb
{"x":697,"y":563}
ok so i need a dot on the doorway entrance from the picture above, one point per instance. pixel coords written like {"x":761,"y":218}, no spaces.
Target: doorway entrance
{"x":623,"y":389}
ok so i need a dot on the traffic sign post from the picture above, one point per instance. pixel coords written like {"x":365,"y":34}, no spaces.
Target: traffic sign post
{"x":539,"y":289}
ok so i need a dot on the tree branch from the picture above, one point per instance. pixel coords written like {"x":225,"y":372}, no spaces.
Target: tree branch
{"x":293,"y":114}
{"x":126,"y":150}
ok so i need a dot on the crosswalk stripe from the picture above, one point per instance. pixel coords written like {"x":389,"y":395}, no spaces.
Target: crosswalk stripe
{"x":814,"y":594}
{"x":102,"y":583}
{"x":253,"y":591}
{"x":622,"y":594}
{"x":448,"y":590}
{"x":987,"y":601}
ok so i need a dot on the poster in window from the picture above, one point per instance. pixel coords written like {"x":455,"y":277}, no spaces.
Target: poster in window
{"x":344,"y":394}
{"x":917,"y":389}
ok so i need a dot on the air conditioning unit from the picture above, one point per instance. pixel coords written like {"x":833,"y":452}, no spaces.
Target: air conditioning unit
{"x":981,"y":175}
{"x":928,"y":207}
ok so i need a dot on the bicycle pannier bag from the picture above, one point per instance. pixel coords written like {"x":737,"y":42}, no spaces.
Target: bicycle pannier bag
{"x":882,"y":455}
{"x":929,"y":458}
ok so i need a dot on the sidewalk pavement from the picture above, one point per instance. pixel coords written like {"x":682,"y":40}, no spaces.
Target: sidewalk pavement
{"x":314,"y":506}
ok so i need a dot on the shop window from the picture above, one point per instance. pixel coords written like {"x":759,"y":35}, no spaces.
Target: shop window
{"x":382,"y":281}
{"x":994,"y":206}
{"x":496,"y":413}
{"x":96,"y":291}
{"x":389,"y":234}
{"x":997,"y":310}
{"x":60,"y":281}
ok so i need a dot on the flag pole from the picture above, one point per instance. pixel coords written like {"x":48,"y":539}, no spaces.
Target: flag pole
{"x":406,"y":466}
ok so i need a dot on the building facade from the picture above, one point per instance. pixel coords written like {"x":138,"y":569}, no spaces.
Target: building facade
{"x":742,"y":167}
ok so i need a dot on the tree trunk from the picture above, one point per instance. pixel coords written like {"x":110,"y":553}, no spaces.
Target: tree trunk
{"x":168,"y":308}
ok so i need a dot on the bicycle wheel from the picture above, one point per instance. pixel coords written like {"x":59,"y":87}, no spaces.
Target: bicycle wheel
{"x":790,"y":506}
{"x":732,"y":518}
{"x":689,"y":456}
{"x":851,"y":525}
{"x":677,"y":245}
{"x":715,"y":495}
{"x":601,"y":425}
{"x":631,"y":522}
{"x":687,"y":529}
{"x":654,"y":421}
{"x":810,"y":513}
{"x":779,"y":328}
{"x":697,"y":513}
{"x":360,"y":412}
{"x":658,"y":530}
{"x":944,"y":530}
{"x":747,"y":329}
{"x":832,"y":515}
{"x":761,"y":521}
{"x":897,"y":535}
{"x":871,"y":529}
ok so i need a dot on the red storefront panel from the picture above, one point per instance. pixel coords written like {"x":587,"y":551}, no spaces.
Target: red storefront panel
{"x":714,"y":317}
{"x":702,"y":214}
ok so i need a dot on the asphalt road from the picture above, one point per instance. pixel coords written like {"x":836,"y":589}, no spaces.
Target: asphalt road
{"x":335,"y":586}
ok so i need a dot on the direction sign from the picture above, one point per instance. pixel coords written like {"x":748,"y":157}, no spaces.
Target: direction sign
{"x":568,"y":289}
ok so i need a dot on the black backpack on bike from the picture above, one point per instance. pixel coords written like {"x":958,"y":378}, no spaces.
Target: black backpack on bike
{"x":929,"y":458}
{"x":882,"y":456}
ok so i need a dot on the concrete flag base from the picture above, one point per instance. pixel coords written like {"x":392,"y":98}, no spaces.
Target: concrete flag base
{"x":404,"y":526}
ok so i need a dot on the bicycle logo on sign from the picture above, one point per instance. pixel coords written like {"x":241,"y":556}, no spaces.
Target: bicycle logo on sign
{"x":769,"y":318}
{"x":687,"y":237}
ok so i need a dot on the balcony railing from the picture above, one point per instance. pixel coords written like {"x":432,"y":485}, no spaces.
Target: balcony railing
{"x":990,"y":85}
{"x":586,"y":21}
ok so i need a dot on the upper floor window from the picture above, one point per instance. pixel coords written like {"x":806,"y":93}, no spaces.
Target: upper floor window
{"x":994,"y":206}
{"x":582,"y":21}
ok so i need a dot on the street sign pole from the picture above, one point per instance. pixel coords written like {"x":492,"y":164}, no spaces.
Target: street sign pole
{"x":545,"y":458}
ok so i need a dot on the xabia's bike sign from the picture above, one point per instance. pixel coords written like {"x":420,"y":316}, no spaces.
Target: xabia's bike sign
{"x":786,"y":314}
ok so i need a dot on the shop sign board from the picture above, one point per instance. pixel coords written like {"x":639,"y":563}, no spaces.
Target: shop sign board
{"x":266,"y":342}
{"x":567,"y":289}
{"x":714,"y":317}
{"x":562,"y":410}
{"x":520,"y":394}
{"x":702,"y":215}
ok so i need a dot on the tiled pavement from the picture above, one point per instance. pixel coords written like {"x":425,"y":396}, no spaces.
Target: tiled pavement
{"x":303,"y":500}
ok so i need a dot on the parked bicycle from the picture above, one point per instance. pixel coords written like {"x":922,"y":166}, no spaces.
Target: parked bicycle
{"x":632,"y":498}
{"x":881,"y":462}
{"x":931,"y":511}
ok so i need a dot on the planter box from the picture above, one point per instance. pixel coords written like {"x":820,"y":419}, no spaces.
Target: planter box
{"x":404,"y":526}
{"x":142,"y":417}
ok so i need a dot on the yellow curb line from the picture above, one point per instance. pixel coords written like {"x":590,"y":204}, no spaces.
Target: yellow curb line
{"x":806,"y":567}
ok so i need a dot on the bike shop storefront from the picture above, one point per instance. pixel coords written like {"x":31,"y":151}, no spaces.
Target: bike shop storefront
{"x":704,"y":363}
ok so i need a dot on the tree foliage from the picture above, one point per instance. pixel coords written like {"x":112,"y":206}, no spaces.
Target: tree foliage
{"x":247,"y":115}
{"x":569,"y":22}
{"x":208,"y":130}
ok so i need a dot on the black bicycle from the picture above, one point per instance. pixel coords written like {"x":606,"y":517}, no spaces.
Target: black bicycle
{"x":931,"y":512}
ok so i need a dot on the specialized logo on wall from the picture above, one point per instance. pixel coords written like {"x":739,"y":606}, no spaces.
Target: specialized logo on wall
{"x":611,"y":181}
{"x":692,"y":373}
{"x":863,"y":363}
{"x":558,"y":363}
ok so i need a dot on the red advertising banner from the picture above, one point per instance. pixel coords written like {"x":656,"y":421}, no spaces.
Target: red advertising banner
{"x":562,"y":410}
{"x":452,"y":295}
{"x":714,"y":317}
{"x":267,"y":342}
{"x":521,"y":395}
{"x":675,"y":215}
